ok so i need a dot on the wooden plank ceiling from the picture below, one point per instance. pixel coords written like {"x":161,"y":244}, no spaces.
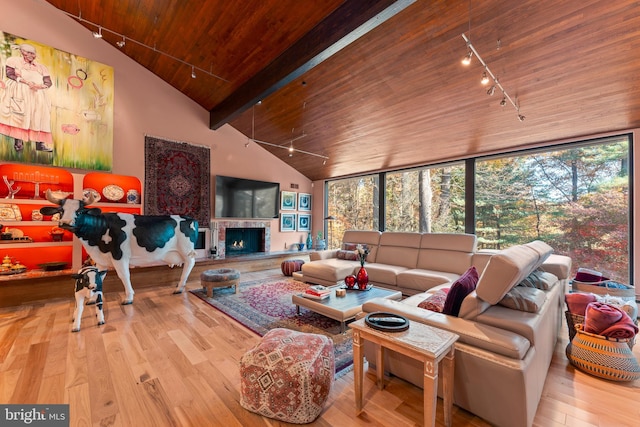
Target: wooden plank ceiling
{"x":398,"y":95}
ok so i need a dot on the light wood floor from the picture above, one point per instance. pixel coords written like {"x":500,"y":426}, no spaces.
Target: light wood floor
{"x":172,"y":360}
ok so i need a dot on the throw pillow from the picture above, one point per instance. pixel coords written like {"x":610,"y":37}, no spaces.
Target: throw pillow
{"x":435,"y":301}
{"x":459,"y":291}
{"x":347,"y":255}
{"x":539,"y":279}
{"x":524,"y":299}
{"x":349,"y":246}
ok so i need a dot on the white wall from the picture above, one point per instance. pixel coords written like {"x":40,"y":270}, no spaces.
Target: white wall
{"x":145,"y":105}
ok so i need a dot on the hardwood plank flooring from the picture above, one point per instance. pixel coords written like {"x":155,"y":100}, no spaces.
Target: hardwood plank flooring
{"x":172,"y":360}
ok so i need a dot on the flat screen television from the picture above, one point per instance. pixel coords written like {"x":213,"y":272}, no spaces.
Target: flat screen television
{"x":246,"y":198}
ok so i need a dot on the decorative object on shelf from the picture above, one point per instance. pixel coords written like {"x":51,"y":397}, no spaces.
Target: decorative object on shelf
{"x":9,"y":267}
{"x":57,"y":234}
{"x":53,"y":266}
{"x":12,"y":191}
{"x":362,"y":278}
{"x":113,"y":192}
{"x":350,"y":281}
{"x":88,"y":191}
{"x":388,"y":322}
{"x":288,"y":200}
{"x":301,"y":246}
{"x":321,"y":244}
{"x":59,"y":193}
{"x":309,"y":241}
{"x":10,"y":212}
{"x":133,"y":196}
{"x":36,"y":215}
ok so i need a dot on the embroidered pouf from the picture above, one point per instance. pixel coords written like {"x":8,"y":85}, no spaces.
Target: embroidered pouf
{"x":288,"y":375}
{"x":220,"y":278}
{"x":290,"y":266}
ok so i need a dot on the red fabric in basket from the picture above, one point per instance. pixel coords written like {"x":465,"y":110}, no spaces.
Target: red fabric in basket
{"x":577,"y":302}
{"x":608,"y":320}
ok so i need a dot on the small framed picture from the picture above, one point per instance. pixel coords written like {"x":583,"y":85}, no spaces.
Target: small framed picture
{"x":304,"y":222}
{"x":288,"y":200}
{"x":287,"y":222}
{"x":304,"y":202}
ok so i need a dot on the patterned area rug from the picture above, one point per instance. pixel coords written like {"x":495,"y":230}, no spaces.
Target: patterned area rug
{"x":263,"y":305}
{"x":176,"y":179}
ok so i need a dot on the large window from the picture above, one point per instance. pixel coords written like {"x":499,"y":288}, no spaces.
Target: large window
{"x":425,"y":200}
{"x":574,"y":197}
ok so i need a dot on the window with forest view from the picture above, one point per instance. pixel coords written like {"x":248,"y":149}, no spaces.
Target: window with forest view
{"x":428,"y":200}
{"x":573,"y":197}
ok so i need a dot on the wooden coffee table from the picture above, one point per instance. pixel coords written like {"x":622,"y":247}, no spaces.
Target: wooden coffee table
{"x":343,"y":308}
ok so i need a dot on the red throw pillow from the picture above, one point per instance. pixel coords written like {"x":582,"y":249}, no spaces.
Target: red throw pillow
{"x":436,"y":300}
{"x":459,"y":290}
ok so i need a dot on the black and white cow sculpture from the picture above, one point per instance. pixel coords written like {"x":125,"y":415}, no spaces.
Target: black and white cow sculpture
{"x":88,"y":287}
{"x":121,"y":240}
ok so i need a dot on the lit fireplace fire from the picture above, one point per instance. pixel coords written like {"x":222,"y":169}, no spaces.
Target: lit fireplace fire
{"x":237,"y":245}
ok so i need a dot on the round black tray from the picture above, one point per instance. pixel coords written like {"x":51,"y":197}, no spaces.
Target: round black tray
{"x":387,"y":322}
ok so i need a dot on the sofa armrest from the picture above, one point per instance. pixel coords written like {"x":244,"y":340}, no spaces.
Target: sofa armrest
{"x":487,"y":337}
{"x":326,"y":254}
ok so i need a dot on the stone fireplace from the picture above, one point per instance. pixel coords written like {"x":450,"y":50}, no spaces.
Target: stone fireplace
{"x":236,"y":238}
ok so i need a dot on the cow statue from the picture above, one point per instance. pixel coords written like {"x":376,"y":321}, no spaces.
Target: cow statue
{"x":89,"y":288}
{"x":121,"y":240}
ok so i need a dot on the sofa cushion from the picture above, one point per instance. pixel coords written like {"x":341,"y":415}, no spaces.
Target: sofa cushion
{"x":423,"y":280}
{"x":370,"y":238}
{"x":435,"y":301}
{"x":504,"y":270}
{"x":447,"y":252}
{"x":524,"y":299}
{"x":459,"y":290}
{"x":399,"y":248}
{"x":542,"y":249}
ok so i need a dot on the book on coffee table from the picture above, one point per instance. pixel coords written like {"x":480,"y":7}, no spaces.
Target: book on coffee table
{"x":316,"y":297}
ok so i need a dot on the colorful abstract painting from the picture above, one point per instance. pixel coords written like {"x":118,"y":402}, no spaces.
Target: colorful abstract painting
{"x":56,"y":108}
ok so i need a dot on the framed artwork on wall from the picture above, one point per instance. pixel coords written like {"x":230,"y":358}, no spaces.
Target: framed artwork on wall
{"x":288,"y":200}
{"x":287,"y":222}
{"x":304,"y":222}
{"x":304,"y":202}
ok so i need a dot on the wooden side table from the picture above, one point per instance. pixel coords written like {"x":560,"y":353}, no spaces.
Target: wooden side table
{"x":421,"y":342}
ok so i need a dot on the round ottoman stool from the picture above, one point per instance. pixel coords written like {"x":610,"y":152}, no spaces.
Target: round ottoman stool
{"x":220,"y":278}
{"x":288,"y":375}
{"x":289,"y":266}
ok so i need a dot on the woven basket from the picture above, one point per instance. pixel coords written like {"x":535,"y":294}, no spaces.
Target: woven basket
{"x":603,"y":357}
{"x":575,"y":319}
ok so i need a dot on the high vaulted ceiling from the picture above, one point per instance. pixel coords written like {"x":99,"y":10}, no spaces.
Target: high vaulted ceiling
{"x":378,"y":84}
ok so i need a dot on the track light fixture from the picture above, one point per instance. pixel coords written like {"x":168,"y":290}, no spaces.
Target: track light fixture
{"x":467,"y":58}
{"x":487,"y":75}
{"x":288,"y":147}
{"x":121,"y":43}
{"x":485,"y":78}
{"x":193,"y":72}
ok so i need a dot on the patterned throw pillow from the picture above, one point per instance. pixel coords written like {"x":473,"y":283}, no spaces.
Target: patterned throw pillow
{"x":349,"y":246}
{"x":539,"y":279}
{"x":347,"y":255}
{"x":524,"y":299}
{"x":459,"y":291}
{"x":435,"y":301}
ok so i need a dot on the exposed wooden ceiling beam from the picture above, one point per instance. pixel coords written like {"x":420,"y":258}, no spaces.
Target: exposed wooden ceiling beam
{"x":350,"y":21}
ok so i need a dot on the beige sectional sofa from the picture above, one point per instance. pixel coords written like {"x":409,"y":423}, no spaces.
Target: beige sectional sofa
{"x":503,"y":354}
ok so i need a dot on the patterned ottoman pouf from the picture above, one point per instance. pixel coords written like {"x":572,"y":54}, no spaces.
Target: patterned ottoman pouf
{"x":289,"y":266}
{"x":287,"y":376}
